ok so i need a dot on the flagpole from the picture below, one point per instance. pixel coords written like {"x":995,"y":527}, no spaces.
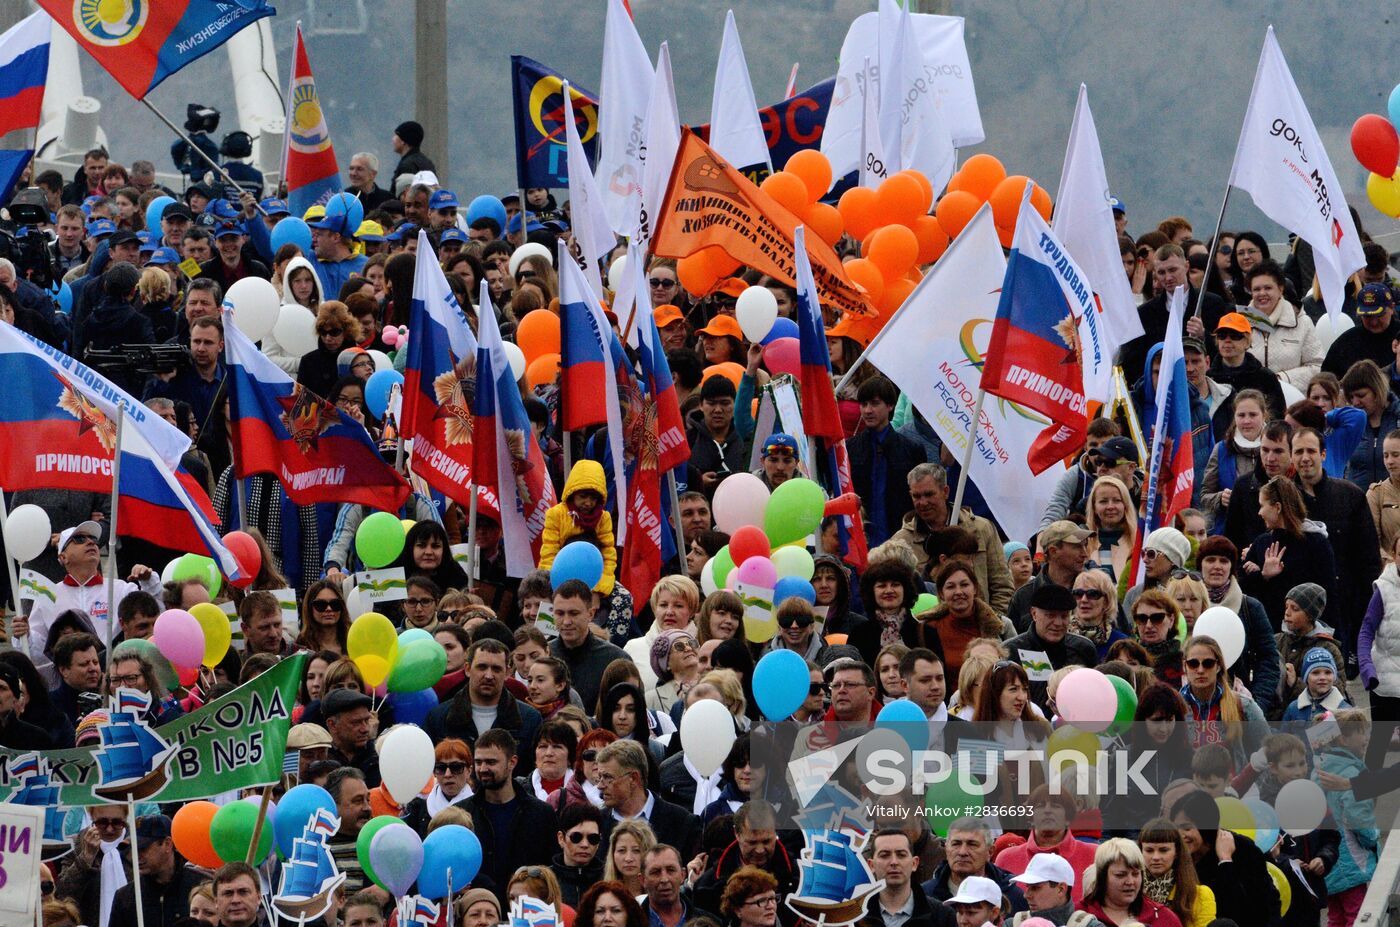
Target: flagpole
{"x":676,"y":515}
{"x":568,"y":452}
{"x":258,"y":825}
{"x":239,"y":492}
{"x":10,"y":566}
{"x":1210,"y":258}
{"x":967,"y":456}
{"x":112,"y":544}
{"x":200,"y":151}
{"x":471,"y":535}
{"x":131,"y":833}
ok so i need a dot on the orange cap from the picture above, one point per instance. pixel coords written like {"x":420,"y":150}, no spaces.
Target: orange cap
{"x":666,"y":314}
{"x":730,"y":286}
{"x":1235,"y":322}
{"x":722,"y":325}
{"x":859,"y":330}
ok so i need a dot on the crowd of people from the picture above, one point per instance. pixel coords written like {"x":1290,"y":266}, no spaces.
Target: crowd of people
{"x":556,"y":731}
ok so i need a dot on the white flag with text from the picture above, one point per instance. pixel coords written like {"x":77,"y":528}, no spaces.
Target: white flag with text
{"x":736,"y":133}
{"x":626,"y":86}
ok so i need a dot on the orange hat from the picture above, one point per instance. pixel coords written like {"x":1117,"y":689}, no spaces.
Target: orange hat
{"x":729,"y":370}
{"x":730,"y":286}
{"x":667,"y":314}
{"x":1235,"y":322}
{"x":859,"y":330}
{"x":722,"y":325}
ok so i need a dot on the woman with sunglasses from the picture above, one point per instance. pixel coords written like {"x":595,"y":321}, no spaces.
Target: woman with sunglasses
{"x":581,"y":788}
{"x":1258,"y":668}
{"x":1154,"y":623}
{"x":750,"y":898}
{"x":1216,"y":713}
{"x":325,"y":622}
{"x":452,"y":765}
{"x":1095,"y":609}
{"x":1111,"y":514}
{"x":797,"y":630}
{"x":1236,"y":454}
{"x":336,"y":330}
{"x":675,"y":659}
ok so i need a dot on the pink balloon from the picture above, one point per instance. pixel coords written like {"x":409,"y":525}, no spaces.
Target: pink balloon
{"x":179,"y":638}
{"x":758,"y":571}
{"x":390,"y":335}
{"x":1087,"y":700}
{"x":731,"y":582}
{"x":783,"y":355}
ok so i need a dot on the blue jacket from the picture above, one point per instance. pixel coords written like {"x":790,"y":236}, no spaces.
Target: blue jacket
{"x":1202,"y":433}
{"x":1365,"y":465}
{"x":1356,"y":819}
{"x":1346,"y":426}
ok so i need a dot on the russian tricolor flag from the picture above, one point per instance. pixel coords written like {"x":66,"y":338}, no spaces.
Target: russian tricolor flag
{"x":24,"y":67}
{"x":133,"y":701}
{"x":820,"y":418}
{"x":312,"y":173}
{"x":27,"y":765}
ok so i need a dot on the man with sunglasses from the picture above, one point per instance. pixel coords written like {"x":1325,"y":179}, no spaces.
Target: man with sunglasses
{"x":1238,"y":369}
{"x":1049,"y":641}
{"x":779,"y":462}
{"x":578,"y":863}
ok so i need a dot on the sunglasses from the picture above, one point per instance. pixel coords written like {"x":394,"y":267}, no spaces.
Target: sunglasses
{"x":327,"y":605}
{"x":1093,"y":594}
{"x":453,"y":615}
{"x":817,"y":688}
{"x":1151,"y":618}
{"x":590,"y":756}
{"x":46,"y":888}
{"x":1186,"y":574}
{"x":1226,"y":250}
{"x":455,"y":769}
{"x":1208,"y":663}
{"x":1144,"y":252}
{"x":332,"y":332}
{"x":787,"y":621}
{"x":682,"y":646}
{"x":658,"y":282}
{"x":579,"y":836}
{"x":1229,"y":334}
{"x":114,"y":823}
{"x":525,"y":275}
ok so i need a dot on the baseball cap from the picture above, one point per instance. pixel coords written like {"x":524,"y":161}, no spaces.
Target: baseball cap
{"x":1235,"y":322}
{"x":443,"y":199}
{"x":99,"y":227}
{"x":1116,"y":205}
{"x":723,"y":325}
{"x":1052,"y":597}
{"x":731,"y":286}
{"x":177,"y":211}
{"x":1374,"y":299}
{"x":407,"y":230}
{"x":453,"y":234}
{"x":275,"y":207}
{"x":228,"y":228}
{"x":531,"y":224}
{"x":508,"y":197}
{"x":88,"y":203}
{"x":1047,"y":867}
{"x":779,"y":440}
{"x":977,"y":890}
{"x":89,"y":528}
{"x":667,"y":314}
{"x":343,"y":700}
{"x":306,"y":736}
{"x":1063,"y":532}
{"x":370,"y":230}
{"x":859,"y":329}
{"x":221,"y":209}
{"x":162,"y":256}
{"x":121,"y":237}
{"x":151,"y":828}
{"x":1193,"y":344}
{"x":1117,"y":449}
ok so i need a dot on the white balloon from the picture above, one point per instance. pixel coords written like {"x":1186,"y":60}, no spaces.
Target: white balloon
{"x":1291,"y":393}
{"x":27,"y":532}
{"x":707,"y":733}
{"x":1327,"y":332}
{"x":354,"y":607}
{"x":524,"y":251}
{"x":406,"y":762}
{"x":255,"y":306}
{"x":1301,"y":806}
{"x":739,"y":501}
{"x":756,"y":310}
{"x":167,"y":574}
{"x":707,"y":578}
{"x":295,"y":330}
{"x":1225,"y":627}
{"x":615,"y":272}
{"x":381,"y":360}
{"x":516,"y":358}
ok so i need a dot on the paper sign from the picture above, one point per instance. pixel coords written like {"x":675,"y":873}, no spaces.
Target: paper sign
{"x":1037,"y":665}
{"x":291,"y":613}
{"x":22,"y":836}
{"x":190,"y":267}
{"x":36,"y":587}
{"x":1324,"y":732}
{"x":459,"y":554}
{"x":544,"y":619}
{"x":387,"y":585}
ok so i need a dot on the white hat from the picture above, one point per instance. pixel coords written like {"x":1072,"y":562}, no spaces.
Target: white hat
{"x":977,"y":890}
{"x":1047,"y":867}
{"x":90,"y":528}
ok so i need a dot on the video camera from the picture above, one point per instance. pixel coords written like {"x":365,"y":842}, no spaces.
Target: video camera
{"x":200,"y":121}
{"x":22,"y":243}
{"x":138,"y":360}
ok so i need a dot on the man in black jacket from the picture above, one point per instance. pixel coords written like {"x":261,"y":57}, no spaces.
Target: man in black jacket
{"x":1373,"y":335}
{"x":166,"y":881}
{"x":755,"y":844}
{"x":1168,"y":272}
{"x":1049,"y":640}
{"x":485,"y":703}
{"x":1230,"y":865}
{"x":578,"y":864}
{"x":968,"y":852}
{"x":716,"y":450}
{"x":1236,"y":368}
{"x":881,"y":459}
{"x":231,"y":263}
{"x":622,"y":780}
{"x":14,"y":733}
{"x":408,"y":138}
{"x":902,"y":902}
{"x":512,"y":824}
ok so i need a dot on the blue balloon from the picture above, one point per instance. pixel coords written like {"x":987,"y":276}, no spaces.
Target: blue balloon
{"x":780,"y":684}
{"x":293,"y":231}
{"x":377,"y":390}
{"x":346,"y":208}
{"x":396,"y":855}
{"x":794,"y":587}
{"x":1266,"y":823}
{"x":1393,"y":107}
{"x":451,"y":848}
{"x":487,"y":206}
{"x":153,"y":211}
{"x":294,"y":810}
{"x":65,"y":298}
{"x":412,"y":707}
{"x":579,"y":560}
{"x":907,"y":720}
{"x":782,"y":328}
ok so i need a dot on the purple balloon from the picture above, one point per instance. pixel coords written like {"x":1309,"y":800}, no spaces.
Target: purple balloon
{"x":396,"y":856}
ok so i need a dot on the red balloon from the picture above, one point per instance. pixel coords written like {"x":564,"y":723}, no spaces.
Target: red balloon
{"x":748,"y":541}
{"x":249,"y":556}
{"x":781,"y":355}
{"x":1375,"y":144}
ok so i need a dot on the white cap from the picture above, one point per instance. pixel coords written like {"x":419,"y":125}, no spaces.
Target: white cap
{"x":976,"y":890}
{"x":1047,"y":867}
{"x":90,"y":528}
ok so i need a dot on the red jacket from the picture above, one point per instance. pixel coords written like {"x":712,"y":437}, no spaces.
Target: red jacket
{"x":1152,"y":914}
{"x":1080,"y":856}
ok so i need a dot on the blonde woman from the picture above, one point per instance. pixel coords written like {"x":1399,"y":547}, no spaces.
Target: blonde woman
{"x":1191,"y":598}
{"x":675,"y":600}
{"x":1111,"y":515}
{"x":630,"y":842}
{"x":1095,"y":608}
{"x":974,"y":669}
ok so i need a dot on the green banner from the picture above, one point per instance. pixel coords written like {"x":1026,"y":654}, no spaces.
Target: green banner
{"x":234,"y":742}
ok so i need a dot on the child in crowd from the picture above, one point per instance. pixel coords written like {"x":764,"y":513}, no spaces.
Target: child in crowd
{"x":1210,"y":769}
{"x":1357,"y":855}
{"x":1019,"y":562}
{"x":1315,"y":852}
{"x":582,"y":514}
{"x":1320,"y":693}
{"x":1303,"y":630}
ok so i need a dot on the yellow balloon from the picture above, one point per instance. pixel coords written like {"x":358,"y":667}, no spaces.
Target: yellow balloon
{"x":1285,"y":891}
{"x":760,"y":631}
{"x":1384,"y":194}
{"x":374,"y":670}
{"x":1070,"y":739}
{"x":218,"y":633}
{"x":1235,"y":816}
{"x":372,"y":635}
{"x":407,"y":524}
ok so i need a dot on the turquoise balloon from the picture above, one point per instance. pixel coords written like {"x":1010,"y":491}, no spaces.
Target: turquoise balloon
{"x":578,"y":560}
{"x":794,"y":511}
{"x":1266,"y":823}
{"x":292,"y":231}
{"x":451,"y":856}
{"x":1393,"y":108}
{"x":413,"y":634}
{"x":153,"y":211}
{"x":780,"y":684}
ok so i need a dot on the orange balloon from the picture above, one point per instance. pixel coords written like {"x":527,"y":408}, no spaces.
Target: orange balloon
{"x":814,"y":169}
{"x":980,"y":176}
{"x":729,"y":370}
{"x":1005,"y":235}
{"x":788,"y":189}
{"x":900,"y":200}
{"x":955,"y":211}
{"x":955,"y":183}
{"x":914,"y":275}
{"x":538,"y":334}
{"x":542,"y":370}
{"x":825,"y":222}
{"x":189,"y":828}
{"x":1041,"y":201}
{"x":893,"y":249}
{"x":933,"y":241}
{"x":896,"y":292}
{"x":858,"y":208}
{"x":1006,"y":200}
{"x":923,"y":182}
{"x":700,"y":271}
{"x":866,"y":273}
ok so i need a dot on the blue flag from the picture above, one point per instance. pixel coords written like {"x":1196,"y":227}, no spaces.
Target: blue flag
{"x":537,"y":93}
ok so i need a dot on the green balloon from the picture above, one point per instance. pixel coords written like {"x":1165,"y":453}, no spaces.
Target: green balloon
{"x":362,"y":842}
{"x":1127,"y":706}
{"x":926,"y":602}
{"x":723,"y":564}
{"x":946,"y":801}
{"x":420,"y":664}
{"x":379,"y":540}
{"x":794,"y":511}
{"x":231,"y":832}
{"x":194,"y":566}
{"x":164,"y":671}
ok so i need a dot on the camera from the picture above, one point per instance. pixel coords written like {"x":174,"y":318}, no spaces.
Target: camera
{"x":201,"y":118}
{"x":22,"y":243}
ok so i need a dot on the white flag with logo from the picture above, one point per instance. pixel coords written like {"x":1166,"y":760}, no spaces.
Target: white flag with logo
{"x":949,"y":316}
{"x":912,"y":130}
{"x":663,"y":141}
{"x":736,"y":133}
{"x":1281,"y":163}
{"x":872,"y":162}
{"x":626,"y":86}
{"x":1084,"y":223}
{"x":587,"y":216}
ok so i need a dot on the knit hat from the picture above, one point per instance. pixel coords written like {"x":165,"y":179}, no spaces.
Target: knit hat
{"x":411,"y":133}
{"x":474,"y":895}
{"x":661,"y":652}
{"x":1316,"y":657}
{"x":1012,"y":547}
{"x":1311,"y":598}
{"x":87,"y":730}
{"x":1171,"y":543}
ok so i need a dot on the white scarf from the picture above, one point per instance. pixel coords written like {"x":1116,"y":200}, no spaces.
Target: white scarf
{"x":113,"y":877}
{"x":594,"y":796}
{"x":707,"y":788}
{"x":436,"y":801}
{"x":537,"y":782}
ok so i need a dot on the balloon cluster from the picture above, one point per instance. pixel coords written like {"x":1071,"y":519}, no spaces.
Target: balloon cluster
{"x":897,"y":235}
{"x":1377,"y":147}
{"x":538,"y":337}
{"x":406,"y":663}
{"x":983,"y":179}
{"x":757,"y":313}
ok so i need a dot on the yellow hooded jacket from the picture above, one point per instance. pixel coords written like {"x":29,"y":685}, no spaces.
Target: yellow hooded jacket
{"x":559,"y":527}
